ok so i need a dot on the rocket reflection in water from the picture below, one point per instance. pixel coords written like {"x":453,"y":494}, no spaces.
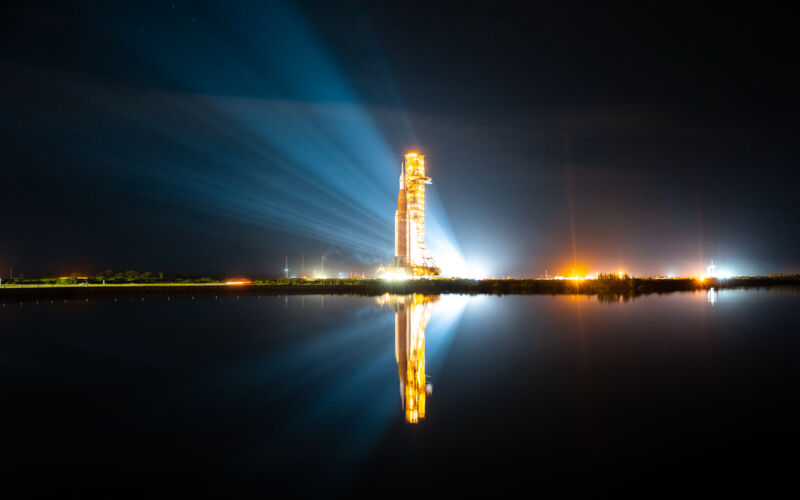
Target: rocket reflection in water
{"x":411,"y":316}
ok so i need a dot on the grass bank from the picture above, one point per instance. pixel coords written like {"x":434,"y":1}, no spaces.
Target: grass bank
{"x":625,"y":287}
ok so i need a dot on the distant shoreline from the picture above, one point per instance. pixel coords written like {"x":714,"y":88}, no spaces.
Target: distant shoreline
{"x":627,"y":287}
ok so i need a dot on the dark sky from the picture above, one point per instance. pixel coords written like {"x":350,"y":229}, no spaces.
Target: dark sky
{"x":216,"y":138}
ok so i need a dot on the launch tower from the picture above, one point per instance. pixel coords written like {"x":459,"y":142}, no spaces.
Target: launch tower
{"x":411,"y":255}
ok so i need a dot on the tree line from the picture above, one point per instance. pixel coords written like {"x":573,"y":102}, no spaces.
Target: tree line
{"x":111,"y":277}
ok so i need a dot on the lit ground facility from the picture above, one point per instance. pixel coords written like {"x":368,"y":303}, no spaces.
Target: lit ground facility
{"x":412,"y":258}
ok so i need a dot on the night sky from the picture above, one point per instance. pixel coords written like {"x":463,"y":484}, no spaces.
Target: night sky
{"x":216,"y":138}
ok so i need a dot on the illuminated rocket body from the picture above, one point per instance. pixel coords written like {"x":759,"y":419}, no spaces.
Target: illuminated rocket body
{"x":401,"y":227}
{"x":410,"y":249}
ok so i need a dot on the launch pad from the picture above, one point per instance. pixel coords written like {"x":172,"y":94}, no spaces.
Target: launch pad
{"x":412,"y":258}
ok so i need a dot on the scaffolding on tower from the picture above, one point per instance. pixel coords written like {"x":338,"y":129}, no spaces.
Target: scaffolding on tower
{"x":412,"y":258}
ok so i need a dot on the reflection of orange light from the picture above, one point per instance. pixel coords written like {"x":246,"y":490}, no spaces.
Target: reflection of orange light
{"x":239,"y":281}
{"x":412,"y":313}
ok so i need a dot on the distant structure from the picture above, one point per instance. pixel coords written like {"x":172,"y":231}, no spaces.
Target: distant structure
{"x":711,"y":270}
{"x":412,"y":258}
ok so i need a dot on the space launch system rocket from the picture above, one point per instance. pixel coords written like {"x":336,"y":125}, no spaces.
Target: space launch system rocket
{"x":411,"y":253}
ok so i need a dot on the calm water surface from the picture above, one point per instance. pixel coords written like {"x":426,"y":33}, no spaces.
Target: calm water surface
{"x":396,"y":395}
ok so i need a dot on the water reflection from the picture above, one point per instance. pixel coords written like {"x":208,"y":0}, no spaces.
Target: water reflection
{"x":613,"y":298}
{"x":288,"y":394}
{"x":411,"y":316}
{"x":712,"y":296}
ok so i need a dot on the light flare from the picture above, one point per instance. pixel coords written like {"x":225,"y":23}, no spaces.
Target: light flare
{"x":239,"y":281}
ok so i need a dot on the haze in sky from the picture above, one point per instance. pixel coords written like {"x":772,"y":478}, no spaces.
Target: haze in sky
{"x":212,"y":138}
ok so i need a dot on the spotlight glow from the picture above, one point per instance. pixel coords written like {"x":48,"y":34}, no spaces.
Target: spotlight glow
{"x":456,"y":267}
{"x":390,"y":276}
{"x":725,"y":274}
{"x":452,"y":262}
{"x":239,"y":281}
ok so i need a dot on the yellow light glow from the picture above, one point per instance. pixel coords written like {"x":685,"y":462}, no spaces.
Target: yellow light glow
{"x":394,"y":275}
{"x":412,"y":313}
{"x":575,"y":272}
{"x":239,"y":281}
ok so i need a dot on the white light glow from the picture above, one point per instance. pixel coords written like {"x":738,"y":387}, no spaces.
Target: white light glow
{"x":392,"y":275}
{"x":724,"y":274}
{"x":453,"y":264}
{"x":445,"y":249}
{"x":714,"y":271}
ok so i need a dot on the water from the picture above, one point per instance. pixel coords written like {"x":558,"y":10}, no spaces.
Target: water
{"x":384,"y":396}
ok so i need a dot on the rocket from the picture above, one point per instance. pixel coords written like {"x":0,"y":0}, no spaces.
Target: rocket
{"x":401,"y":225}
{"x":410,"y":250}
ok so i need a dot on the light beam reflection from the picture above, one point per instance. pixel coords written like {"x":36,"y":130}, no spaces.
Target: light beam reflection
{"x":412,"y":315}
